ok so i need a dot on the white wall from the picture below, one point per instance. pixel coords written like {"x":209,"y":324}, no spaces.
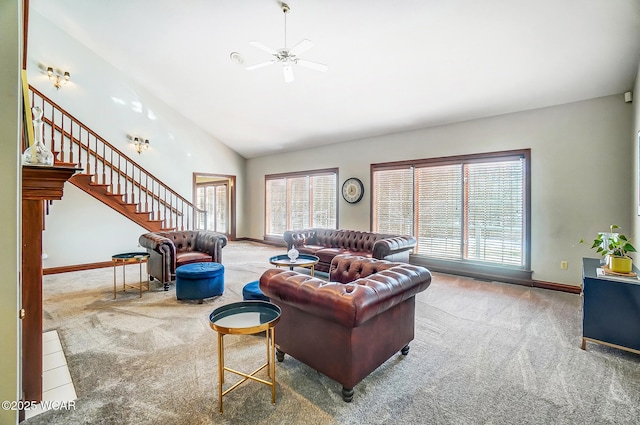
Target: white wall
{"x":79,"y":229}
{"x":572,"y":147}
{"x":635,"y":143}
{"x":10,"y":193}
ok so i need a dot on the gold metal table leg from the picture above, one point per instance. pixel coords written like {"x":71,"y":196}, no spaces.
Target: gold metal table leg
{"x":114,"y":278}
{"x":268,"y":353}
{"x":272,"y":366}
{"x":220,"y":369}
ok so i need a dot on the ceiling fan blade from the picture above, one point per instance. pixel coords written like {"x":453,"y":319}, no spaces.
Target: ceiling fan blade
{"x":301,"y":47}
{"x":263,"y":47}
{"x":287,"y":70}
{"x":313,"y":65}
{"x":260,"y":65}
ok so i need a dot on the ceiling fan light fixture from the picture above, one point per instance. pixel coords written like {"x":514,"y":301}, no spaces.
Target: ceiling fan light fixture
{"x":236,"y":58}
{"x":287,"y":70}
{"x":287,"y":57}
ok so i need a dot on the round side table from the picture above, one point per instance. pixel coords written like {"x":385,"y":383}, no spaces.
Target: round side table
{"x":246,"y":318}
{"x":129,"y":258}
{"x":303,"y":260}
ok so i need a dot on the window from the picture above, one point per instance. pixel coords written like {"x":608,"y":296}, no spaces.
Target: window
{"x":468,"y":209}
{"x":300,"y":201}
{"x":212,"y":198}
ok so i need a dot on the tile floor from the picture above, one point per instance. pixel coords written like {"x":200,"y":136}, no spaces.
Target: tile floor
{"x":56,"y":380}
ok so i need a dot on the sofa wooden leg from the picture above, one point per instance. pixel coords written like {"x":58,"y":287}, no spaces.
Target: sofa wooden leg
{"x":279,"y":355}
{"x":347,"y":394}
{"x":405,"y":350}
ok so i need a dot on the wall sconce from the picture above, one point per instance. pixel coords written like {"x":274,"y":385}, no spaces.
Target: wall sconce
{"x":58,"y":79}
{"x":139,"y":143}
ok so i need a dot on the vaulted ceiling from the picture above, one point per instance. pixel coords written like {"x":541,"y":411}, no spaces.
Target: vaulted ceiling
{"x":393,"y":66}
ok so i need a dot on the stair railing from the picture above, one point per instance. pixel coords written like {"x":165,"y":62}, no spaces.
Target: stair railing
{"x":73,"y":143}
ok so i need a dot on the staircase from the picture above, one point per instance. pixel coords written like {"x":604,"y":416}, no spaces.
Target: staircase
{"x":112,"y":177}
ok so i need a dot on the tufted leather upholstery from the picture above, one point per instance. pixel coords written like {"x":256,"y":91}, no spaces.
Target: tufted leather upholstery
{"x":347,"y":327}
{"x":172,"y":249}
{"x":327,"y":243}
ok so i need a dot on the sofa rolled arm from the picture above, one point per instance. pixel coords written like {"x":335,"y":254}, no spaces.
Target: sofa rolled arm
{"x":157,"y":243}
{"x":393,"y":245}
{"x":299,"y":237}
{"x":162,"y":252}
{"x":348,"y":304}
{"x":211,"y":243}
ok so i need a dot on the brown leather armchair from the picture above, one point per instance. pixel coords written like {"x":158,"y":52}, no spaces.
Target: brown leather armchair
{"x":347,"y":327}
{"x":172,"y":249}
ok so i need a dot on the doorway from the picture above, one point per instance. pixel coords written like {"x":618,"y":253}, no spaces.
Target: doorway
{"x":215,"y":194}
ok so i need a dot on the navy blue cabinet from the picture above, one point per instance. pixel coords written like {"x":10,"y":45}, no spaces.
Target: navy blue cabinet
{"x":610,"y":308}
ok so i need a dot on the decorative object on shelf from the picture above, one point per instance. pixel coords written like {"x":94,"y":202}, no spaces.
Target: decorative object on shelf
{"x":352,"y":190}
{"x":614,"y":247}
{"x":140,"y":144}
{"x":287,"y":57}
{"x":37,"y":153}
{"x":59,"y":78}
{"x":293,"y":254}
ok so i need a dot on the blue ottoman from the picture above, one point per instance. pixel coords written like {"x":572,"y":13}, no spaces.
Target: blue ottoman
{"x":252,"y":292}
{"x":197,"y":281}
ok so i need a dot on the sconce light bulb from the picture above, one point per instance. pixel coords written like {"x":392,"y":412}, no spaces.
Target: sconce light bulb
{"x":50,"y":72}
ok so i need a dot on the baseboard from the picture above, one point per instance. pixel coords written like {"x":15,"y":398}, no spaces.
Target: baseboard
{"x":262,"y":241}
{"x":76,"y":267}
{"x":573,"y":289}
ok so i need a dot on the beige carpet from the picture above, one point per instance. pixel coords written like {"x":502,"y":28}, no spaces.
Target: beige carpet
{"x":484,"y":353}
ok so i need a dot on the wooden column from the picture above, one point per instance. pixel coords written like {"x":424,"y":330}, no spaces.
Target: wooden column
{"x":39,"y":184}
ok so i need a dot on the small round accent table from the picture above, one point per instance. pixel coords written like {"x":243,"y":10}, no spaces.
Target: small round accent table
{"x":127,"y":258}
{"x":246,"y":318}
{"x":303,"y":260}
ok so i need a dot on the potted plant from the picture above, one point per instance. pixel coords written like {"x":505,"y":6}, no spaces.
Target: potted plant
{"x":614,"y":247}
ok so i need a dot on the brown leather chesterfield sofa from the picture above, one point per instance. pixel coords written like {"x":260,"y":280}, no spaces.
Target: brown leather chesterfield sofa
{"x":172,"y":249}
{"x":327,"y":243}
{"x":347,"y":327}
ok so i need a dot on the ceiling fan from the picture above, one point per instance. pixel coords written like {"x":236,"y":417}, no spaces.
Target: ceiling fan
{"x":287,"y":57}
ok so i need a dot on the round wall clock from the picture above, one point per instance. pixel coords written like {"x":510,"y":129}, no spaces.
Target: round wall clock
{"x":352,"y":190}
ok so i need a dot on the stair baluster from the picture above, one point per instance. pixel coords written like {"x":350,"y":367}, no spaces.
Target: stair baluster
{"x":163,"y":208}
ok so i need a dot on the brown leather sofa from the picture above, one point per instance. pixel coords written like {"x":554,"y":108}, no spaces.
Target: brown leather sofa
{"x":347,"y":327}
{"x":327,"y":243}
{"x":172,"y":249}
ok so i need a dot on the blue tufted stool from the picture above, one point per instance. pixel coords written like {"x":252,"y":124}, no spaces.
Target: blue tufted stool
{"x":197,"y":281}
{"x":252,"y":292}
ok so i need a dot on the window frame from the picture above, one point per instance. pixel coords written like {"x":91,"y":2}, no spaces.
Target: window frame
{"x":517,"y":274}
{"x":297,"y":174}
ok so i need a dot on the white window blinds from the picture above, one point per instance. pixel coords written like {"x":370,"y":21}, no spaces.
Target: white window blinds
{"x":464,"y":208}
{"x":300,"y":201}
{"x":495,"y":211}
{"x":439,"y":206}
{"x":393,"y":201}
